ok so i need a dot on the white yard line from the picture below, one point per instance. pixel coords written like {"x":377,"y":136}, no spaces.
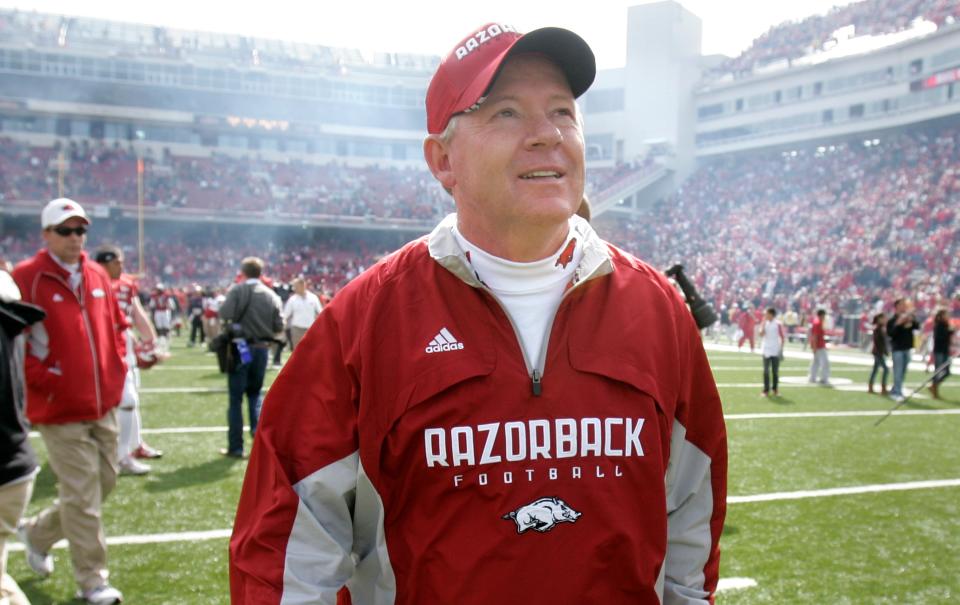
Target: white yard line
{"x":186,"y":536}
{"x":759,"y":416}
{"x":836,"y":356}
{"x":184,"y":390}
{"x":217,"y":534}
{"x":735,"y":584}
{"x":777,"y":416}
{"x":844,"y":491}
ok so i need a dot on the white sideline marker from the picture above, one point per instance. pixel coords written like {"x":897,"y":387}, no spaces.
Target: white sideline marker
{"x":735,"y":584}
{"x":854,"y":413}
{"x":757,"y":416}
{"x":844,"y":491}
{"x":186,"y":536}
{"x":731,"y":583}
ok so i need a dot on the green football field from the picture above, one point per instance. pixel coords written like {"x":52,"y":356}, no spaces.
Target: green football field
{"x":824,"y":507}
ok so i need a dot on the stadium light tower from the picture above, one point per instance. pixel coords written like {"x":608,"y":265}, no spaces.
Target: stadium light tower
{"x":139,"y":136}
{"x":60,"y":172}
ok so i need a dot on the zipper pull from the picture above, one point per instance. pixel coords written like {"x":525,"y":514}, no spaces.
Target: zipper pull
{"x":537,"y":387}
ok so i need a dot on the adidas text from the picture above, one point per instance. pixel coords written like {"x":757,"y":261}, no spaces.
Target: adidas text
{"x":445,"y":347}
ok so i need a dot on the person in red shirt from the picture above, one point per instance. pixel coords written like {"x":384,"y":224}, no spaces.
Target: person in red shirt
{"x":748,"y":325}
{"x":75,"y":373}
{"x":820,"y":366}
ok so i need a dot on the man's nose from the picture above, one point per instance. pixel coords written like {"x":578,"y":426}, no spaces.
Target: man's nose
{"x":542,"y":132}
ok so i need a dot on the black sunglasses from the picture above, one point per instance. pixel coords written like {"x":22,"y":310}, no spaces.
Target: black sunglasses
{"x":66,"y":231}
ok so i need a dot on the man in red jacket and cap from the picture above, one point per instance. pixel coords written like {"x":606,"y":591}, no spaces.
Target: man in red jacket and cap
{"x":74,"y":372}
{"x":509,"y":410}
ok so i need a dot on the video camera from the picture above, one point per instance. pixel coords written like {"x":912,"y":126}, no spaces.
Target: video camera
{"x":703,"y":312}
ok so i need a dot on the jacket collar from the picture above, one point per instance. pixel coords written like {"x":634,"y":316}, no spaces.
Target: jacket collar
{"x":444,"y":249}
{"x":50,"y":264}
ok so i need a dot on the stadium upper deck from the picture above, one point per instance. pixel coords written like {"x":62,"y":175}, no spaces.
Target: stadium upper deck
{"x":86,"y":78}
{"x":794,"y":40}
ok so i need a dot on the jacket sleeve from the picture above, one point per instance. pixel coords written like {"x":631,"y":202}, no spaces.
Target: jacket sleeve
{"x":696,"y":478}
{"x":293,"y":534}
{"x":229,"y":308}
{"x":38,"y":370}
{"x":279,"y":323}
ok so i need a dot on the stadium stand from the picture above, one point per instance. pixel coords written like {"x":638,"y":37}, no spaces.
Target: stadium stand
{"x":792,"y":40}
{"x":860,"y":220}
{"x":98,"y":173}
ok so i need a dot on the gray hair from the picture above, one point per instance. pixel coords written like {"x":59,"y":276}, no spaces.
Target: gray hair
{"x":447,"y":133}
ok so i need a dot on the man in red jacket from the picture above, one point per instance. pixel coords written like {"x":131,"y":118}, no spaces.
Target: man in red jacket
{"x":74,"y":372}
{"x":509,"y":410}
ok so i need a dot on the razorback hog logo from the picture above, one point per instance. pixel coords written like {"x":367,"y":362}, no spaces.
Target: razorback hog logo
{"x":567,"y":255}
{"x":484,"y":35}
{"x":542,"y":515}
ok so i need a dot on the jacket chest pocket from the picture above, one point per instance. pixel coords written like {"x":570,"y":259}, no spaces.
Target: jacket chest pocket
{"x":428,"y":393}
{"x":643,"y":390}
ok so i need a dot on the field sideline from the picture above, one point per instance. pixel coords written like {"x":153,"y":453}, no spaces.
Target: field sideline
{"x":824,"y":507}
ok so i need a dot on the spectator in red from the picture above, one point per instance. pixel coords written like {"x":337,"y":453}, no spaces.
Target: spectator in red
{"x":74,"y":373}
{"x":748,"y":325}
{"x":820,"y":366}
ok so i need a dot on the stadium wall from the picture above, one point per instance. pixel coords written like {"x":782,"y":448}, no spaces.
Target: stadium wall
{"x":912,"y":81}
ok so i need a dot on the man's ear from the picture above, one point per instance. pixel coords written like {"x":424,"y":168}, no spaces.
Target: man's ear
{"x":437,"y":154}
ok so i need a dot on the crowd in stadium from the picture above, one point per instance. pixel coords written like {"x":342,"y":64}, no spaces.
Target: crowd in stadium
{"x":795,"y":39}
{"x":101,"y":173}
{"x":862,"y":220}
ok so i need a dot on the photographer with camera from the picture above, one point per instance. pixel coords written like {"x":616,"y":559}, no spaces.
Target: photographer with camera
{"x":900,"y":329}
{"x":252,"y":313}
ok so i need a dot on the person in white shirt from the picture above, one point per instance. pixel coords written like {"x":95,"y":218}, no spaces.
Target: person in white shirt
{"x":300,"y":310}
{"x":771,"y":347}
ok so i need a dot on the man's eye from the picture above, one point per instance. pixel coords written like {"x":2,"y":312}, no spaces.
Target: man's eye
{"x":506,"y":113}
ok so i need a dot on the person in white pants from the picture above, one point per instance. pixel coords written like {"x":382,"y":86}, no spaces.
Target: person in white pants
{"x":131,"y":445}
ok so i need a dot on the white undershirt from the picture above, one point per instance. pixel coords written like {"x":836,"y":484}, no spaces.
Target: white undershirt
{"x":529,"y":292}
{"x":73,"y":269}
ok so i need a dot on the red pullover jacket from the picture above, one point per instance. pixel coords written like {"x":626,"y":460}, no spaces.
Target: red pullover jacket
{"x":404,"y":451}
{"x":74,"y":365}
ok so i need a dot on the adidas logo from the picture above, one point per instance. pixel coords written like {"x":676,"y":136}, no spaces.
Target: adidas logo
{"x":443,"y":341}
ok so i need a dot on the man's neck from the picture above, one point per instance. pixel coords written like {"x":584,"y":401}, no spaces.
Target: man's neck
{"x":71,"y":266}
{"x":521,"y":244}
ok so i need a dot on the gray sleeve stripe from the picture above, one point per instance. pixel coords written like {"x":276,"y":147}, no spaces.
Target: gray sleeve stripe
{"x":318,"y":558}
{"x":689,"y":510}
{"x":338,"y":539}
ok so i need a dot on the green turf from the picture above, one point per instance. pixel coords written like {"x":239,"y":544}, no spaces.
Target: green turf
{"x":891,"y":547}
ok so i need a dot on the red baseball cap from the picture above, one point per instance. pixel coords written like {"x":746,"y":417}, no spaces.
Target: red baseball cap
{"x":466,"y":74}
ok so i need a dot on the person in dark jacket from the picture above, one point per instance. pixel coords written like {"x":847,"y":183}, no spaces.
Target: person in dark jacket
{"x":942,"y":335}
{"x":879,"y":353}
{"x":18,"y":463}
{"x":900,"y":329}
{"x":254,"y":312}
